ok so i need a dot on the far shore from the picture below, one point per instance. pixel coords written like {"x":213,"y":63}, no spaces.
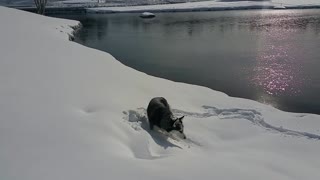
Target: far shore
{"x":127,"y":9}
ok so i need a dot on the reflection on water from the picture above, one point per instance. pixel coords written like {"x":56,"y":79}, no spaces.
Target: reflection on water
{"x":278,"y":71}
{"x":279,"y":65}
{"x":269,"y":56}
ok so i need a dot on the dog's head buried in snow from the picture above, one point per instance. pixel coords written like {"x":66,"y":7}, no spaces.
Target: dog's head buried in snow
{"x":159,"y":114}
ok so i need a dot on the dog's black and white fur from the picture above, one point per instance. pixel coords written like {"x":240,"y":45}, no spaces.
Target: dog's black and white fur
{"x":159,"y":114}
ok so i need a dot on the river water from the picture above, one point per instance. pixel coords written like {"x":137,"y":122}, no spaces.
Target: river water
{"x":272,"y":56}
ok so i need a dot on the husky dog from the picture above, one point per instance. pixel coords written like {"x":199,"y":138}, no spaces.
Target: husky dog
{"x":159,"y":114}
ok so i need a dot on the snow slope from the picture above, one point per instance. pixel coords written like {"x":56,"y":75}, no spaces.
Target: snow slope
{"x":210,"y":5}
{"x":76,"y":113}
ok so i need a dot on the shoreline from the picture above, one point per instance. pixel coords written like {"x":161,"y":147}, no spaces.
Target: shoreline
{"x":201,"y":10}
{"x":112,"y":10}
{"x":226,"y":92}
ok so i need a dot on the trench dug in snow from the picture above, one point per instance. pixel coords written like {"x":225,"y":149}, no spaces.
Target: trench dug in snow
{"x":138,"y":120}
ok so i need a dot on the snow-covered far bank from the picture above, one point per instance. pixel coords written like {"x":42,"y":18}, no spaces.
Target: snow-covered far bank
{"x":72,"y":112}
{"x":210,"y":6}
{"x":297,"y":2}
{"x":167,"y":5}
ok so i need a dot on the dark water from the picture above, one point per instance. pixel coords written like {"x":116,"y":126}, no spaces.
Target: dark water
{"x":269,"y":56}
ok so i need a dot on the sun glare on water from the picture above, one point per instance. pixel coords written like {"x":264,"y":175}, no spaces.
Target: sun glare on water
{"x":278,"y":64}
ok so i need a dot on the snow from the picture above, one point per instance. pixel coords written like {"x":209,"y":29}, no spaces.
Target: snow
{"x":76,"y":113}
{"x":184,"y":5}
{"x":297,"y":2}
{"x":85,"y":3}
{"x":199,"y":6}
{"x":147,"y":15}
{"x":209,"y":5}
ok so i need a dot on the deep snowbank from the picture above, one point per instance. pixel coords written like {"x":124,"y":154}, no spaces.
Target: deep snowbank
{"x":71,"y":112}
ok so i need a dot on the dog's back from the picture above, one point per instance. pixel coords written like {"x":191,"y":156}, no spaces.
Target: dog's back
{"x":158,"y":110}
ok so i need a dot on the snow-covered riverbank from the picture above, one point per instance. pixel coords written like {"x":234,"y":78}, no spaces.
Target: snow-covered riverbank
{"x":211,"y":6}
{"x":72,"y":112}
{"x":118,"y":6}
